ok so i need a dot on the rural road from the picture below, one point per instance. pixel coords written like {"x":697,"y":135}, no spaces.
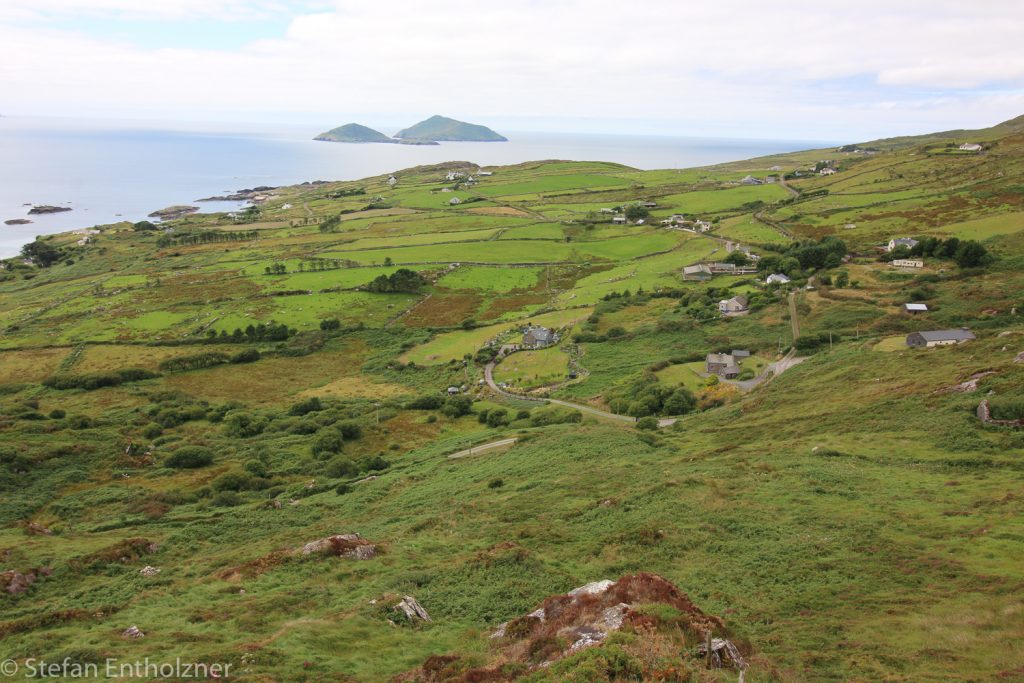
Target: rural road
{"x":489,"y":377}
{"x":483,"y":448}
{"x":776,"y":368}
{"x":792,"y":315}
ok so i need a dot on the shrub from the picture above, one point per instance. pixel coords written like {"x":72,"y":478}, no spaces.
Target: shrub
{"x":553,"y":415}
{"x":194,"y":362}
{"x":326,"y":442}
{"x":497,"y":418}
{"x":342,"y":466}
{"x":310,"y":405}
{"x":226,"y":499}
{"x":246,"y":356}
{"x":152,"y":430}
{"x":57,"y":414}
{"x":425,"y":403}
{"x":242,"y":425}
{"x":457,"y":406}
{"x":80,"y":422}
{"x":342,"y":489}
{"x":495,"y":483}
{"x":523,"y":415}
{"x":189,"y":457}
{"x":350,"y":430}
{"x":648,"y":423}
{"x":481,"y":416}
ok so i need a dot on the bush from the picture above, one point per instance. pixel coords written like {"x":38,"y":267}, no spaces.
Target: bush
{"x":310,"y":405}
{"x":57,"y":414}
{"x":425,"y":403}
{"x":553,"y":415}
{"x":495,"y":483}
{"x":342,"y":489}
{"x":189,"y":458}
{"x":152,"y":430}
{"x":350,"y":430}
{"x":194,"y":362}
{"x":327,"y":442}
{"x":497,"y":418}
{"x":98,"y":380}
{"x":226,"y":499}
{"x":342,"y":466}
{"x":242,"y":425}
{"x":246,"y":356}
{"x":649,"y":423}
{"x":81,"y":422}
{"x":457,"y":406}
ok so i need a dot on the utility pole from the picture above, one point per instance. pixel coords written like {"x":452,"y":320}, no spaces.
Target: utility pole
{"x":830,"y":340}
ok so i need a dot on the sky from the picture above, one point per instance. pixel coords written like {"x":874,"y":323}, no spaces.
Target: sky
{"x":839,"y":70}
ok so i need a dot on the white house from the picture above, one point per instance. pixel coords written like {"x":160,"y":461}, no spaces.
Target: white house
{"x":737,"y":304}
{"x":485,"y":173}
{"x":901,"y":242}
{"x":392,"y":180}
{"x":701,"y":226}
{"x":777,"y":279}
{"x":775,"y":168}
{"x":908,"y":263}
{"x":971,"y":147}
{"x":750,"y":180}
{"x":619,"y":219}
{"x":454,"y":201}
{"x":828,"y":170}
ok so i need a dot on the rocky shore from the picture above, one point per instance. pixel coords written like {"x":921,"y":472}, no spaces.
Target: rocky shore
{"x":172,"y":212}
{"x":240,"y":196}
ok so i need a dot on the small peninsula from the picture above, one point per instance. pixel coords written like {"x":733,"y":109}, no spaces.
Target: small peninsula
{"x":444,"y":129}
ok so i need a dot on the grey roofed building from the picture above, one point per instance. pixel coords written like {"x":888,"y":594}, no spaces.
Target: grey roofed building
{"x":930,"y":338}
{"x":722,"y":364}
{"x":698,"y":271}
{"x":538,"y":337}
{"x":907,"y":242}
{"x":740,"y":353}
{"x":737,"y":304}
{"x":915,"y":308}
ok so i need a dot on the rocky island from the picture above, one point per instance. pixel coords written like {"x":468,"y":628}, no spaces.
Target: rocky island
{"x":17,"y":221}
{"x":449,"y":130}
{"x":172,"y":212}
{"x":45,"y":208}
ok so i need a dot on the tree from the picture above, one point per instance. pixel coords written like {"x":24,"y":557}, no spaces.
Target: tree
{"x":636,"y":212}
{"x":41,"y":253}
{"x":388,"y":262}
{"x":737,"y":258}
{"x":971,"y":254}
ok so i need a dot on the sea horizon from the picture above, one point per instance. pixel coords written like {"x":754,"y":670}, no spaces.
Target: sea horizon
{"x":108,"y":171}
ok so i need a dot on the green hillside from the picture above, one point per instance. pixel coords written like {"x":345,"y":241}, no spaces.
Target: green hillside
{"x":182,"y":413}
{"x":353,"y":132}
{"x":444,"y":129}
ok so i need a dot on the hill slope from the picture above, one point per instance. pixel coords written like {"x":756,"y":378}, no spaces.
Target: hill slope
{"x":194,"y":424}
{"x":444,"y":129}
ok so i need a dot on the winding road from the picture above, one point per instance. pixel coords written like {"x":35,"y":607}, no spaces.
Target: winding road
{"x":489,"y":378}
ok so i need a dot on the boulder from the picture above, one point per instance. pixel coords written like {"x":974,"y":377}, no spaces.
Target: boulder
{"x":412,"y":609}
{"x":351,"y":546}
{"x":133,"y":632}
{"x":149,"y":571}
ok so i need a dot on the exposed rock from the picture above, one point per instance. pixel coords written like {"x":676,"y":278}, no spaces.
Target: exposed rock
{"x":240,"y":196}
{"x":45,"y":208}
{"x":585,"y":617}
{"x":351,"y":546}
{"x":172,"y":212}
{"x":971,"y":384}
{"x":133,"y":632}
{"x":1019,"y":358}
{"x":413,"y":609}
{"x":17,"y":221}
{"x":36,"y":529}
{"x":149,"y":571}
{"x":16,"y":583}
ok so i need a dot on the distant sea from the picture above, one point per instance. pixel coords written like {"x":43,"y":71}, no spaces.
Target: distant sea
{"x":108,"y":172}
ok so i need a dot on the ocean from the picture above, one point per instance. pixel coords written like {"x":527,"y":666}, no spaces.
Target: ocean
{"x":112,"y":171}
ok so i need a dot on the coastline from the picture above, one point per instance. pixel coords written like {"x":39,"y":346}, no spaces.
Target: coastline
{"x":182,"y":167}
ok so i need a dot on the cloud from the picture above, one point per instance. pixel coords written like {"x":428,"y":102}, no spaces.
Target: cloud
{"x":742,"y":65}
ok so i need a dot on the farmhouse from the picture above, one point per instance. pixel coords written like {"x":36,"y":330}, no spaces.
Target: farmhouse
{"x":970,"y":147}
{"x":750,"y":180}
{"x":722,"y":364}
{"x":901,"y":242}
{"x":775,"y":168}
{"x":777,"y":279}
{"x":931,"y":338}
{"x":699,"y":272}
{"x":538,"y":337}
{"x":908,"y":263}
{"x":454,"y":201}
{"x":701,"y":226}
{"x":649,"y":205}
{"x":733,"y":306}
{"x":485,"y":174}
{"x":618,"y":219}
{"x":740,"y":353}
{"x":392,"y":180}
{"x":828,"y":170}
{"x":915,"y":308}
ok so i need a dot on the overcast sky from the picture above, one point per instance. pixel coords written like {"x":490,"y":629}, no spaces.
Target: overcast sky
{"x":838,"y":70}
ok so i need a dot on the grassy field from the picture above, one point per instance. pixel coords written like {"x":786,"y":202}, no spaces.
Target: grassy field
{"x":850,"y":520}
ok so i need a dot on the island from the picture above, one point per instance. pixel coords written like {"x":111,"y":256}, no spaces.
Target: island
{"x":17,"y":221}
{"x":172,"y":212}
{"x":356,"y":133}
{"x":45,"y":208}
{"x":449,"y":130}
